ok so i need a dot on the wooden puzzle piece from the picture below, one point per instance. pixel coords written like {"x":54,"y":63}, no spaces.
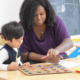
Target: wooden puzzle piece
{"x":77,"y":70}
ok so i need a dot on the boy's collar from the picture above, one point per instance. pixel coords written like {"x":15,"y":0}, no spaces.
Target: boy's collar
{"x":11,"y":47}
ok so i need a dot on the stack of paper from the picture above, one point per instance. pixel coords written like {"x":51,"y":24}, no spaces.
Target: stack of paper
{"x":68,"y":64}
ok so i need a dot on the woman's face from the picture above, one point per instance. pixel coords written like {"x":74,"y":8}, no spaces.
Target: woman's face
{"x":40,"y":16}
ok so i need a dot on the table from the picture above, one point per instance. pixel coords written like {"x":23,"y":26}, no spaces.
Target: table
{"x":17,"y":75}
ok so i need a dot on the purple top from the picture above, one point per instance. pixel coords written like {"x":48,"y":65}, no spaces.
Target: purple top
{"x":52,"y":37}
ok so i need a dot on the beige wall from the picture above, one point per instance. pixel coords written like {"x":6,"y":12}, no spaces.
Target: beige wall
{"x":2,"y":41}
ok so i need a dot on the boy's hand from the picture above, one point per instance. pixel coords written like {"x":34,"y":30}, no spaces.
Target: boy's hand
{"x":25,"y":64}
{"x":12,"y":66}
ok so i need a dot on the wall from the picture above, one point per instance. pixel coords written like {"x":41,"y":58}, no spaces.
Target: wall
{"x":9,"y":11}
{"x":70,"y":14}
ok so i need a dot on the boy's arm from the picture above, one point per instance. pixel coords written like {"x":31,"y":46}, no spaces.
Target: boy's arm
{"x":9,"y":67}
{"x":3,"y":67}
{"x":3,"y":57}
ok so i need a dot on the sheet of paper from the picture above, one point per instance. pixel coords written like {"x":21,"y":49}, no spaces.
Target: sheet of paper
{"x":68,"y":64}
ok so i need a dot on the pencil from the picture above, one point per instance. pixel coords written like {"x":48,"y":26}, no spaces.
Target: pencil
{"x":16,"y":56}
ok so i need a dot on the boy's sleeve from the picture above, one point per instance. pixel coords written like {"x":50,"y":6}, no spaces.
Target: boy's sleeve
{"x":3,"y":67}
{"x":3,"y":57}
{"x":19,"y":61}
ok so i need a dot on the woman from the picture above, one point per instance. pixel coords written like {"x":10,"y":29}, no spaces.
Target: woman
{"x":45,"y":32}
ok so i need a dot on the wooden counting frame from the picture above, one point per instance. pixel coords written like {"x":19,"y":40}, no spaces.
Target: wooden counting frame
{"x":45,"y":68}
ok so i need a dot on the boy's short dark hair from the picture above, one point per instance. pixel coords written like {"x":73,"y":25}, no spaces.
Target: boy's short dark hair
{"x":12,"y":30}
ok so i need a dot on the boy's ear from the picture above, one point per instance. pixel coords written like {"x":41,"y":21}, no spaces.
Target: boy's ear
{"x":13,"y":38}
{"x":7,"y":40}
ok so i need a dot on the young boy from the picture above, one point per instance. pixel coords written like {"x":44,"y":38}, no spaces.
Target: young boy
{"x":10,"y":53}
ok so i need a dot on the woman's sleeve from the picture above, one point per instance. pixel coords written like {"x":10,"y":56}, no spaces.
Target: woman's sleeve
{"x":61,"y":32}
{"x":25,"y":47}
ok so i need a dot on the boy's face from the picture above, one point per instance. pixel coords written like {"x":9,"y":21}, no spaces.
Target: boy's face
{"x":15,"y":42}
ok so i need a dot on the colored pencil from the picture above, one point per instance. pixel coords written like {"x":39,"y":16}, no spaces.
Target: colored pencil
{"x":16,"y":56}
{"x":44,"y":57}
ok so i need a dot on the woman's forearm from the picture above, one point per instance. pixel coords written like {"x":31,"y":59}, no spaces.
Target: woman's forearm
{"x":36,"y":57}
{"x":65,"y":45}
{"x":32,"y":57}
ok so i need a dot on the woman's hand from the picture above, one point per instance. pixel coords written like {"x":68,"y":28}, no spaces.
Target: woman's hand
{"x":53,"y":59}
{"x":52,"y":52}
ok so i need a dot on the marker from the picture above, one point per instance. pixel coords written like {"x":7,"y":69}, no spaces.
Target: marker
{"x":44,"y":57}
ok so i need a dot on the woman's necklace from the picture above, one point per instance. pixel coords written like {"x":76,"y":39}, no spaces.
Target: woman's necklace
{"x":39,"y":31}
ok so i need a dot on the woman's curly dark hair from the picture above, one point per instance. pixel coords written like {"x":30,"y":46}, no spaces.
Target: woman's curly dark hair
{"x":28,"y":9}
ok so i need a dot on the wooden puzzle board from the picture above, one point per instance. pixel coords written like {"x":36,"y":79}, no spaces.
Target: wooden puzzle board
{"x":45,"y":68}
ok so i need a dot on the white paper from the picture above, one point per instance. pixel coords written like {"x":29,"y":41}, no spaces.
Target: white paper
{"x":68,"y":64}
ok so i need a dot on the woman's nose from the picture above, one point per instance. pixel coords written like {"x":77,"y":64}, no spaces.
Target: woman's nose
{"x":38,"y":17}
